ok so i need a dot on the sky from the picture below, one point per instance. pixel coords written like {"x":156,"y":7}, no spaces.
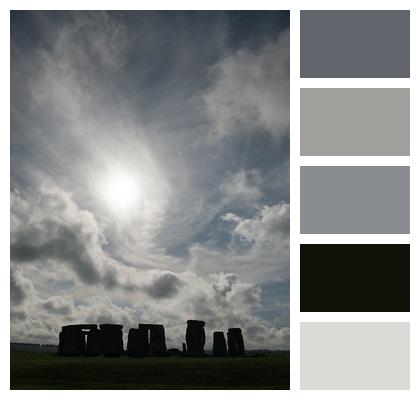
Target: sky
{"x":150,"y":172}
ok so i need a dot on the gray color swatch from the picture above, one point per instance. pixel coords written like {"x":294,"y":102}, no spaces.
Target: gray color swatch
{"x":355,"y":44}
{"x":355,"y":199}
{"x":355,"y":355}
{"x":355,"y":122}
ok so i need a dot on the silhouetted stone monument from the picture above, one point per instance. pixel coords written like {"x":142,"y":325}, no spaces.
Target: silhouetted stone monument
{"x":72,"y":339}
{"x":195,"y":337}
{"x":148,"y":339}
{"x":112,"y":340}
{"x":235,"y":342}
{"x":137,"y":344}
{"x":219,"y":344}
{"x":94,"y":342}
{"x":157,"y":340}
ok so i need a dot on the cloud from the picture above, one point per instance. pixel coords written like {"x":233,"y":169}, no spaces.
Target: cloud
{"x":58,"y":305}
{"x":242,"y":186}
{"x":89,"y":107}
{"x":230,"y":290}
{"x":49,"y":225}
{"x":251,"y":90}
{"x":88,"y":42}
{"x":162,"y":284}
{"x":221,"y":299}
{"x":18,"y":315}
{"x":259,"y":250}
{"x":271,"y":223}
{"x":79,"y":130}
{"x":20,"y":287}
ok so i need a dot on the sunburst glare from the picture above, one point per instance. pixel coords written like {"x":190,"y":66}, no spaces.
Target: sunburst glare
{"x":122,"y":191}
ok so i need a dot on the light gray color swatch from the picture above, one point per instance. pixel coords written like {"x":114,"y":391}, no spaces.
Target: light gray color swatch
{"x":355,"y":199}
{"x":355,"y":122}
{"x":355,"y":355}
{"x":355,"y":44}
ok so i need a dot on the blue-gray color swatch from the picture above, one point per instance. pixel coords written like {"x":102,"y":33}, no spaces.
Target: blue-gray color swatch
{"x":355,"y":200}
{"x":355,"y":44}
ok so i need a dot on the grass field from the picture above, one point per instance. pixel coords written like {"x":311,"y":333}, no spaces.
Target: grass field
{"x":47,"y":371}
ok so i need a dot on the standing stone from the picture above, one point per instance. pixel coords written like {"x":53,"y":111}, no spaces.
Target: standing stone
{"x":154,"y":339}
{"x":137,"y":344}
{"x":219,"y":344}
{"x":157,"y":340}
{"x":112,"y":340}
{"x":72,"y":340}
{"x":235,"y":342}
{"x":195,"y":337}
{"x":184,"y":348}
{"x":60,"y":343}
{"x":94,"y":342}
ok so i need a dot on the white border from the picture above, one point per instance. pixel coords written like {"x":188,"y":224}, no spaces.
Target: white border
{"x":296,"y":83}
{"x":294,"y":198}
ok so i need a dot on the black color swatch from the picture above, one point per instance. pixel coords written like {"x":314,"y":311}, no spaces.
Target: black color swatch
{"x":354,"y":277}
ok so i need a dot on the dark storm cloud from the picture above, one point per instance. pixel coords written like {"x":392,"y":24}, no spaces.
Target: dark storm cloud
{"x":68,"y":246}
{"x":163,"y":284}
{"x":55,"y":229}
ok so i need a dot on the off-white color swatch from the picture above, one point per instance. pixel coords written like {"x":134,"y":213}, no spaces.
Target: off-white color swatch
{"x":355,"y":355}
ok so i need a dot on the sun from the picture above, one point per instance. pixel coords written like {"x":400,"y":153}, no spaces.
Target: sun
{"x":122,"y":191}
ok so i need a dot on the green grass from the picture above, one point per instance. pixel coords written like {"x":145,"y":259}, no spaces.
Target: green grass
{"x":48,"y":371}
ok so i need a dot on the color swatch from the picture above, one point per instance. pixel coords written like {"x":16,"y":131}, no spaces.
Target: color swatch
{"x":356,"y":195}
{"x":355,"y":199}
{"x":355,"y":122}
{"x":355,"y":355}
{"x":355,"y":44}
{"x":355,"y":277}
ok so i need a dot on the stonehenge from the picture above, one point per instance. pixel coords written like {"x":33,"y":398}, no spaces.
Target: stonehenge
{"x":235,"y":342}
{"x":219,"y":344}
{"x":111,"y":340}
{"x":93,"y":342}
{"x":157,"y":343}
{"x":107,"y":340}
{"x":195,"y":337}
{"x":146,"y":340}
{"x":137,"y":343}
{"x":72,"y":339}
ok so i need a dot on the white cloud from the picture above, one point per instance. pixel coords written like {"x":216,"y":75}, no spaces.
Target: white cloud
{"x":58,"y":305}
{"x":270,"y":224}
{"x":66,"y":71}
{"x":259,"y":251}
{"x":251,"y":90}
{"x":222,"y":300}
{"x":41,"y":301}
{"x":242,"y":186}
{"x":49,"y":225}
